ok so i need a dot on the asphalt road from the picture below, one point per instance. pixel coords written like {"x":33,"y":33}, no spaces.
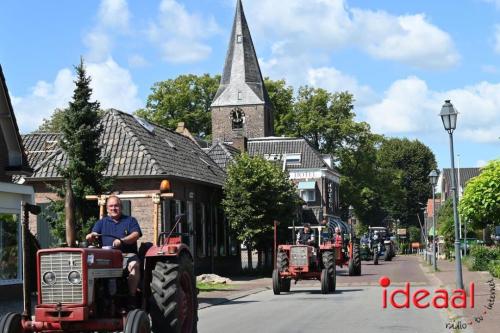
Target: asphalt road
{"x":356,"y":306}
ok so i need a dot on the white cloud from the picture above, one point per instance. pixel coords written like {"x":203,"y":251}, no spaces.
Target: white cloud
{"x":43,"y":99}
{"x":112,"y":87}
{"x":332,"y":79}
{"x":112,"y":19}
{"x":329,"y":25}
{"x":410,"y":107}
{"x":180,"y":34}
{"x":114,"y":14}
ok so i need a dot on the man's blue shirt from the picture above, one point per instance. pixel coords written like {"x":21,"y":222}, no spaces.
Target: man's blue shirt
{"x":124,"y":227}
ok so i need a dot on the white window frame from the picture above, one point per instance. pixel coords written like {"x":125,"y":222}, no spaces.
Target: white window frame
{"x":293,"y":158}
{"x":309,"y":199}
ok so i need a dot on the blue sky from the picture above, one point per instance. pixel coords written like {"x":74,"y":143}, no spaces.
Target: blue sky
{"x":400,"y":59}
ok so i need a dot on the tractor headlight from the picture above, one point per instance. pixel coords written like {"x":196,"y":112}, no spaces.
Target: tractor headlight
{"x":49,"y":278}
{"x":74,"y":277}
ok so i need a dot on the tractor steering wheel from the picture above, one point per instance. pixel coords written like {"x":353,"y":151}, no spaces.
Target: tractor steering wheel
{"x":98,"y":241}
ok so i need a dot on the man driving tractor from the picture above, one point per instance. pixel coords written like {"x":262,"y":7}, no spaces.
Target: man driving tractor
{"x":305,"y":236}
{"x":120,"y":232}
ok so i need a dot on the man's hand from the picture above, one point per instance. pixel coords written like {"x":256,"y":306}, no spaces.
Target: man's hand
{"x":117,"y":243}
{"x":92,"y":236}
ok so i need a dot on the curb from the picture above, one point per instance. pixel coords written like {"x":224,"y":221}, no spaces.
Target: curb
{"x":232,"y":297}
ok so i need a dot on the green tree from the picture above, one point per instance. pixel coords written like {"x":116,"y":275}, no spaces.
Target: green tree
{"x":54,"y":123}
{"x":85,"y":168}
{"x":281,"y":97}
{"x":480,"y":203}
{"x":186,"y":98}
{"x":256,"y":193}
{"x":414,"y":234}
{"x":410,"y":163}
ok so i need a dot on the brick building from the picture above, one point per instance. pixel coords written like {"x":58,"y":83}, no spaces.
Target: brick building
{"x":141,"y":155}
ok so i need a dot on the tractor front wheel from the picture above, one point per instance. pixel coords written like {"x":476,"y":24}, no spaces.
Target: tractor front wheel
{"x":285,"y":285}
{"x":174,"y":304}
{"x":326,"y":281}
{"x":137,"y":322}
{"x":276,"y":282}
{"x":329,"y":264}
{"x":375,"y":257}
{"x":10,"y":323}
{"x":356,"y":257}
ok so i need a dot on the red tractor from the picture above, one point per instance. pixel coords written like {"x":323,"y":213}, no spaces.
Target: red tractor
{"x":84,"y":289}
{"x":316,"y":261}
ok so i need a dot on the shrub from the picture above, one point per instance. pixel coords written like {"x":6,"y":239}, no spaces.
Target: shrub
{"x":482,"y":256}
{"x":494,"y":268}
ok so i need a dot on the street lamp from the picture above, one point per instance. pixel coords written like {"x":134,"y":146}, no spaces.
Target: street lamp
{"x":433,"y":178}
{"x":449,"y":117}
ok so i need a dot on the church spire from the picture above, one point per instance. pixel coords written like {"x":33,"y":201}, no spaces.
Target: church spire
{"x":241,"y":82}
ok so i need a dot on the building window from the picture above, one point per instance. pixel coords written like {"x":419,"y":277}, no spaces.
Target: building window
{"x":10,"y":249}
{"x":272,"y":157}
{"x":239,"y":39}
{"x":293,"y":158}
{"x":237,"y":118}
{"x":308,"y":195}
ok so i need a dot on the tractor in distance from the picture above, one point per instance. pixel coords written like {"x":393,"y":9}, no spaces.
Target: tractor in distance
{"x":316,"y":261}
{"x":83,"y":289}
{"x":377,"y":244}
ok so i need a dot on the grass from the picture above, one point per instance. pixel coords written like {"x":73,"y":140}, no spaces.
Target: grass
{"x":208,"y":287}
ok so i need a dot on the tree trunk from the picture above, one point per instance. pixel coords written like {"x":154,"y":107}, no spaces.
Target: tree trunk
{"x":249,"y":257}
{"x":259,"y":259}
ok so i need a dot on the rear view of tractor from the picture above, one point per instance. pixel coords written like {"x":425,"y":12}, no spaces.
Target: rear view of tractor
{"x":85,"y":289}
{"x":377,"y":244}
{"x":316,"y":261}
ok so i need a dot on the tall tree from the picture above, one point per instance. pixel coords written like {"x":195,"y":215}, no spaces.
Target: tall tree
{"x":85,"y":167}
{"x":410,"y":162}
{"x":257,"y":192}
{"x":480,"y":203}
{"x":54,"y":123}
{"x":186,"y":98}
{"x":282,"y":98}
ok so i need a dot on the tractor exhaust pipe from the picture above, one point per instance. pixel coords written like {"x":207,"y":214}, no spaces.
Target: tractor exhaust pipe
{"x":69,"y":213}
{"x":35,"y":210}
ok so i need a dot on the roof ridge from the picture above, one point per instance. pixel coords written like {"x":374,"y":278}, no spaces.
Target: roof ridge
{"x":133,"y":137}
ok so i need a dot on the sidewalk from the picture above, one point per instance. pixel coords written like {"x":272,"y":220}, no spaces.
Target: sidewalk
{"x":240,"y":287}
{"x":445,"y":277}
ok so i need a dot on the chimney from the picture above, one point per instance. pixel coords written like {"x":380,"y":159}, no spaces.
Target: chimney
{"x":240,"y":143}
{"x":180,"y":127}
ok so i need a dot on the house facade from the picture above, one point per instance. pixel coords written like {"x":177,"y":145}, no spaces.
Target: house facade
{"x":12,"y":161}
{"x":462,"y":176}
{"x":142,"y":155}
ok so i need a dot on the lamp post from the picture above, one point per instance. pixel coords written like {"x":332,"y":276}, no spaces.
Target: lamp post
{"x":449,"y":117}
{"x":433,"y":178}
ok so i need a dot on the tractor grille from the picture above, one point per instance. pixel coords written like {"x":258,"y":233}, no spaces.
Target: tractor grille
{"x":61,"y":264}
{"x":298,"y":256}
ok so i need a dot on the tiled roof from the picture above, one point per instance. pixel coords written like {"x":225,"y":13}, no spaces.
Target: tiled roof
{"x":137,"y":150}
{"x":309,"y":157}
{"x":222,"y":154}
{"x":17,"y":162}
{"x":465,"y":175}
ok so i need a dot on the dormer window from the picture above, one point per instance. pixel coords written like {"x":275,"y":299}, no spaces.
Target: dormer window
{"x":239,"y":39}
{"x":237,"y":118}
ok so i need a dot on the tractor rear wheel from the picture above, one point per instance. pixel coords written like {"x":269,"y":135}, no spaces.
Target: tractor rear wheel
{"x":329,"y":264}
{"x":10,"y":323}
{"x":276,"y":282}
{"x":326,"y":281}
{"x":356,"y":256}
{"x":137,"y":322}
{"x":387,"y":254}
{"x":333,"y":282}
{"x":285,"y":285}
{"x":174,"y":304}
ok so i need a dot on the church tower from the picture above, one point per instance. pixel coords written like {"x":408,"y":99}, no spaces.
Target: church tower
{"x":241,"y":107}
